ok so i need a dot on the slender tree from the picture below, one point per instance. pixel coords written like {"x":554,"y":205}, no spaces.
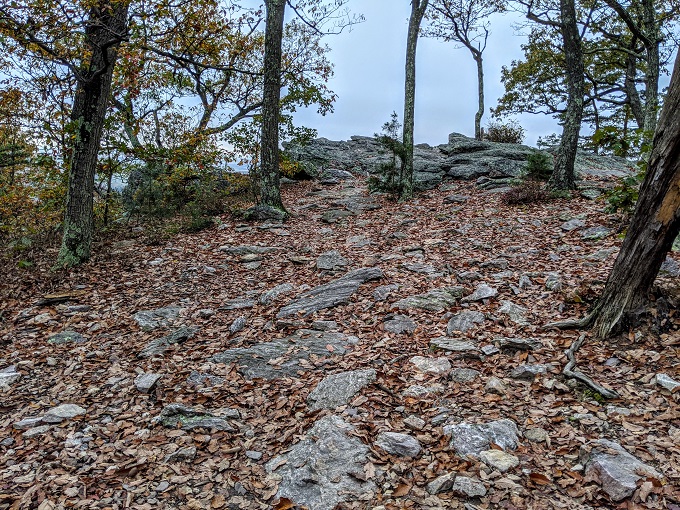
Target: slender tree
{"x":654,"y":226}
{"x":418,"y":8}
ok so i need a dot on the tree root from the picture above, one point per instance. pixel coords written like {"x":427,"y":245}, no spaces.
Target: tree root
{"x":574,"y":374}
{"x":583,"y":323}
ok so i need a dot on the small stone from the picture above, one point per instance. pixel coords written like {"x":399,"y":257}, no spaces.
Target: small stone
{"x":9,"y":376}
{"x":452,"y":345}
{"x":399,"y":324}
{"x":36,"y":431}
{"x":537,"y":435}
{"x":431,"y":365}
{"x":519,"y":344}
{"x":414,"y":422}
{"x":553,"y":282}
{"x":207,"y":380}
{"x":152,"y":319}
{"x":469,"y":487}
{"x":573,"y":225}
{"x":524,"y":282}
{"x":501,"y":264}
{"x":464,"y":321}
{"x":623,"y":411}
{"x":483,"y":291}
{"x":66,"y":337}
{"x":594,"y":233}
{"x":498,"y":459}
{"x":28,"y":423}
{"x":416,"y":390}
{"x":456,"y":199}
{"x":667,"y":382}
{"x":51,"y":362}
{"x":442,"y":483}
{"x":489,"y":350}
{"x":63,"y":412}
{"x":267,"y":297}
{"x":337,"y":389}
{"x":515,"y":313}
{"x":325,"y":326}
{"x":464,"y":374}
{"x":472,"y":439}
{"x":383,"y":291}
{"x":146,"y":382}
{"x":162,"y":486}
{"x":254,"y":455}
{"x":188,"y":453}
{"x":250,"y":257}
{"x":396,"y":443}
{"x":238,"y":325}
{"x":331,"y":260}
{"x":495,"y":385}
{"x":528,"y":372}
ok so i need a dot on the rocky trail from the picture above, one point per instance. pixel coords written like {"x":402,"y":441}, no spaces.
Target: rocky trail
{"x":364,"y":354}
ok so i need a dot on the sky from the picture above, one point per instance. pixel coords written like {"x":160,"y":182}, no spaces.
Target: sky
{"x":369,"y":78}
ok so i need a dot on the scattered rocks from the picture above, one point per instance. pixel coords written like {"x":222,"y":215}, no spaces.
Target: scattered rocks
{"x":399,"y":324}
{"x":146,"y":382}
{"x":325,"y":468}
{"x":396,"y":443}
{"x":337,"y":389}
{"x":463,"y":375}
{"x":471,"y":439}
{"x":667,"y":382}
{"x":431,"y":365}
{"x":464,"y":321}
{"x":435,"y":300}
{"x":66,"y":337}
{"x":617,"y":470}
{"x":330,"y":294}
{"x":189,"y":418}
{"x":515,"y":313}
{"x":331,"y":261}
{"x":459,"y":485}
{"x":159,"y":318}
{"x":62,"y":413}
{"x":160,"y":345}
{"x":482,"y":292}
{"x":498,"y":459}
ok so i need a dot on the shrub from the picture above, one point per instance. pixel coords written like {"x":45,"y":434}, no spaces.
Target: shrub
{"x":624,"y":196}
{"x":509,"y":132}
{"x":527,"y":192}
{"x":388,"y":177}
{"x":539,"y":166}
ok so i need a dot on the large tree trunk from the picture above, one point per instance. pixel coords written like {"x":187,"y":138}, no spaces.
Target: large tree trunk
{"x":107,"y":26}
{"x":268,"y":175}
{"x":477,"y":55}
{"x":654,"y":226}
{"x":418,"y":8}
{"x":651,"y":29}
{"x":563,"y":177}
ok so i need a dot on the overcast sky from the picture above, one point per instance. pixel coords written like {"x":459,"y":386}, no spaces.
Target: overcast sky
{"x":369,"y":78}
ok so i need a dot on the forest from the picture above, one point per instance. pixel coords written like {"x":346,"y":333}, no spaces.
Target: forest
{"x":205,"y":305}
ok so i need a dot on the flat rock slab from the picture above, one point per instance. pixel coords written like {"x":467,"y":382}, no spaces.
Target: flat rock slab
{"x":473,"y":439}
{"x":459,"y":485}
{"x":247,"y":249}
{"x":198,"y":379}
{"x":289,"y":352}
{"x":515,"y":313}
{"x":331,"y":294}
{"x":160,"y":345}
{"x":498,"y":459}
{"x":574,"y":224}
{"x":483,"y":291}
{"x":332,"y":260}
{"x":435,"y":300}
{"x":464,"y":321}
{"x":399,"y":324}
{"x":431,"y":365}
{"x":189,"y":418}
{"x":237,"y":304}
{"x":337,"y":389}
{"x":396,"y":443}
{"x":528,"y":372}
{"x":594,"y":233}
{"x":8,"y":376}
{"x":464,"y":374}
{"x":325,"y":468}
{"x":158,"y":318}
{"x":667,"y":382}
{"x":617,"y":470}
{"x":335,"y":215}
{"x":518,"y":344}
{"x":146,"y":382}
{"x":269,"y":296}
{"x":453,"y":345}
{"x":66,"y":337}
{"x":62,"y":413}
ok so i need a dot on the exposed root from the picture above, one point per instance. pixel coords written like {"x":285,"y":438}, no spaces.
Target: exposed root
{"x":573,"y":374}
{"x":583,"y":323}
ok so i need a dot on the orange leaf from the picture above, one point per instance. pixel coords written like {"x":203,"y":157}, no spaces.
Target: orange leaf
{"x":284,"y":504}
{"x":402,"y":490}
{"x":539,"y":479}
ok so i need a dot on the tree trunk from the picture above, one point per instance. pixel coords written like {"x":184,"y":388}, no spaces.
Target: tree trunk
{"x":480,"y":94}
{"x":418,"y":8}
{"x":654,"y":226}
{"x":563,"y":177}
{"x":651,"y":29}
{"x":269,"y":185}
{"x":106,"y":27}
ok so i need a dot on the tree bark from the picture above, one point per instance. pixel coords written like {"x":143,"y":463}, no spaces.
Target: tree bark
{"x":268,"y":176}
{"x":480,"y":94}
{"x":418,"y":8}
{"x":654,"y":226}
{"x":563,"y":177}
{"x":106,"y":28}
{"x":651,"y":28}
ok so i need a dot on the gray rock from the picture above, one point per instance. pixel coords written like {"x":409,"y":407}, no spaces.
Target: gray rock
{"x":463,"y":375}
{"x":524,"y":282}
{"x":237,"y":304}
{"x":416,"y":390}
{"x":253,"y":361}
{"x":414,"y":422}
{"x":186,"y":453}
{"x":501,"y":264}
{"x":325,"y":326}
{"x":553,"y":281}
{"x":189,"y":418}
{"x":573,"y":224}
{"x":382,"y":292}
{"x":325,"y":468}
{"x":435,"y":300}
{"x":254,"y":455}
{"x":456,"y":199}
{"x":330,"y":294}
{"x":198,"y":379}
{"x":66,"y":337}
{"x":537,"y":435}
{"x":247,"y":249}
{"x":602,"y":255}
{"x":28,"y":423}
{"x":268,"y":296}
{"x":159,"y":318}
{"x":238,"y":325}
{"x":464,"y":321}
{"x":667,"y":382}
{"x":337,"y":389}
{"x":160,"y":345}
{"x":332,"y":260}
{"x":399,"y":444}
{"x":400,"y":324}
{"x":498,"y":459}
{"x":468,"y":276}
{"x":594,"y":233}
{"x":591,"y":193}
{"x":489,"y":350}
{"x":470,"y":439}
{"x":334,"y":174}
{"x":36,"y":431}
{"x":420,"y":268}
{"x":617,"y":470}
{"x":9,"y":376}
{"x":670,"y":266}
{"x":62,"y":413}
{"x":262,"y":212}
{"x":483,"y":291}
{"x":518,"y":344}
{"x":495,"y":385}
{"x":515,"y":313}
{"x":528,"y":372}
{"x":146,"y":382}
{"x":453,"y":345}
{"x":335,"y":215}
{"x":431,"y":365}
{"x":459,"y":485}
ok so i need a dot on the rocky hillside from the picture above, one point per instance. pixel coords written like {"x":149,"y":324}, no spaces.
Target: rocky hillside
{"x":461,"y":158}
